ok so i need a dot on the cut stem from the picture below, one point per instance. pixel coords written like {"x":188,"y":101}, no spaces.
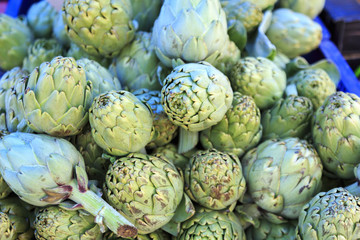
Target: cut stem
{"x":187,"y":140}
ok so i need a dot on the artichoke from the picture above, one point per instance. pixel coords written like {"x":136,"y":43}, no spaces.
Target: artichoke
{"x":42,"y":50}
{"x":156,"y":235}
{"x":99,"y":27}
{"x":259,"y":78}
{"x":311,"y":8}
{"x":336,"y":134}
{"x":293,"y":33}
{"x":137,"y":65}
{"x":263,"y":4}
{"x":5,"y":190}
{"x":40,"y":17}
{"x":169,"y":152}
{"x":195,"y":96}
{"x":239,"y":130}
{"x":293,"y":114}
{"x":282,"y":175}
{"x":314,"y":84}
{"x":330,"y":215}
{"x":120,"y":122}
{"x":49,"y":170}
{"x":15,"y":37}
{"x":145,"y":12}
{"x":214,"y":179}
{"x":268,"y":230}
{"x":147,"y":189}
{"x":57,"y":98}
{"x":165,"y":130}
{"x":78,"y":53}
{"x":54,"y":223}
{"x":59,"y":32}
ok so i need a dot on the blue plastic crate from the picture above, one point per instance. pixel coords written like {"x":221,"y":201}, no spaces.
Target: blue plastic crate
{"x":18,"y":7}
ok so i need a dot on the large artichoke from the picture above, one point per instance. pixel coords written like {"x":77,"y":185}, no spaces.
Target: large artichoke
{"x":336,"y":134}
{"x":259,"y":78}
{"x":282,"y":175}
{"x":293,"y":33}
{"x":15,"y":37}
{"x":99,"y":27}
{"x":40,"y":17}
{"x":311,"y":8}
{"x":272,"y":231}
{"x":145,"y":12}
{"x":57,"y":98}
{"x":239,"y":130}
{"x":147,"y":189}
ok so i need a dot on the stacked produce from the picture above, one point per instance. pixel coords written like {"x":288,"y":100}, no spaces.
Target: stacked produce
{"x":174,"y":119}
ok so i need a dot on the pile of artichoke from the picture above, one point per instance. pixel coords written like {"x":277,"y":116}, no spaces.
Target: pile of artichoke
{"x":174,"y":119}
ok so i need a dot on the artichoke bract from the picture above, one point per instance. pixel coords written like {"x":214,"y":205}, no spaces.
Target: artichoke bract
{"x":137,"y":65}
{"x":54,"y":222}
{"x":311,"y":8}
{"x":239,"y":130}
{"x":336,"y":134}
{"x":282,"y":175}
{"x":330,"y":215}
{"x":78,"y":53}
{"x":99,"y":27}
{"x":40,"y":17}
{"x":293,"y":33}
{"x":145,"y":12}
{"x":289,"y":117}
{"x":57,"y":98}
{"x":59,"y":32}
{"x":190,"y":31}
{"x":214,"y":179}
{"x":259,"y":78}
{"x":15,"y":37}
{"x":120,"y":122}
{"x":267,"y":230}
{"x":147,"y":189}
{"x":49,"y":170}
{"x":42,"y":50}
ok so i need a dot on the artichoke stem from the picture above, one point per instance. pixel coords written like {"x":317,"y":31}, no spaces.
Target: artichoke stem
{"x":187,"y":140}
{"x":354,"y":189}
{"x":102,"y":210}
{"x":291,"y":90}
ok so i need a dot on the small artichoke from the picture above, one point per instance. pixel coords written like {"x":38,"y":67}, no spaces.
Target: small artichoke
{"x":156,"y":235}
{"x":169,"y":152}
{"x":57,"y":98}
{"x":239,"y":130}
{"x":145,"y":12}
{"x":336,"y":134}
{"x":99,"y":27}
{"x":282,"y":175}
{"x":54,"y":222}
{"x":293,"y":33}
{"x":272,"y":231}
{"x":147,"y":189}
{"x":311,"y":8}
{"x":40,"y":17}
{"x":78,"y":53}
{"x":59,"y":32}
{"x":293,"y":114}
{"x":259,"y":78}
{"x":15,"y":37}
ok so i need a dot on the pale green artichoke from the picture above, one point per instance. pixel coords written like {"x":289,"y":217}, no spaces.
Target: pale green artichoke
{"x":336,"y":134}
{"x":289,"y":117}
{"x":15,"y":37}
{"x":56,"y":223}
{"x":120,"y":122}
{"x":282,"y":175}
{"x":99,"y":27}
{"x":147,"y":189}
{"x":239,"y":130}
{"x":311,"y":8}
{"x":330,"y":215}
{"x":57,"y":98}
{"x":137,"y":65}
{"x":263,"y":4}
{"x":259,"y":78}
{"x":78,"y":53}
{"x":40,"y":17}
{"x":42,"y":50}
{"x":169,"y":151}
{"x":145,"y":12}
{"x":49,"y":170}
{"x":59,"y":32}
{"x":293,"y":33}
{"x":271,"y":231}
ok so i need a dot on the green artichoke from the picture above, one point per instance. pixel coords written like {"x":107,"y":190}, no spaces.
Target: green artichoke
{"x":282,"y":175}
{"x":120,"y":122}
{"x":57,"y":98}
{"x":263,"y":4}
{"x":99,"y":27}
{"x":169,"y":151}
{"x":56,"y":223}
{"x":289,"y":117}
{"x":293,"y":33}
{"x":271,"y":231}
{"x":259,"y":78}
{"x":59,"y":32}
{"x":314,"y":84}
{"x":40,"y":17}
{"x":214,"y":179}
{"x":311,"y":8}
{"x":49,"y":170}
{"x":15,"y":37}
{"x":146,"y":12}
{"x":165,"y":130}
{"x":147,"y":189}
{"x":239,"y":130}
{"x":336,"y":134}
{"x":137,"y":65}
{"x":42,"y":50}
{"x":78,"y":53}
{"x":156,"y":235}
{"x":330,"y":215}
